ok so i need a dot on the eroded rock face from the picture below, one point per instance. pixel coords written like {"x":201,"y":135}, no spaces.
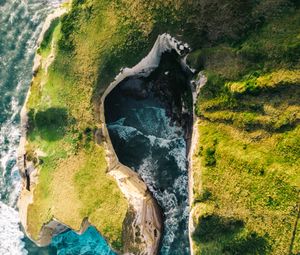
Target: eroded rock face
{"x":142,"y":228}
{"x":143,"y":224}
{"x":149,"y":136}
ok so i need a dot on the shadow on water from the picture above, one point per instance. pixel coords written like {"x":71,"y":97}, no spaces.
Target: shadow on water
{"x":35,"y":250}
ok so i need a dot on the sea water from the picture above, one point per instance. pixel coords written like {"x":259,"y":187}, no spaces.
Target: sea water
{"x":147,"y":140}
{"x":20,"y":24}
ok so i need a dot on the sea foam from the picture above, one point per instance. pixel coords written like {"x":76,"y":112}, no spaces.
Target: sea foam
{"x":10,"y":233}
{"x":164,"y":168}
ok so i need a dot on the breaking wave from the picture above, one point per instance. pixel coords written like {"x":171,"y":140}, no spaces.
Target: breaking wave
{"x":21,"y":23}
{"x":148,"y":141}
{"x":10,"y":232}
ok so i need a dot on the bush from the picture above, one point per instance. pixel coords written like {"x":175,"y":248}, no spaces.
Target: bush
{"x":68,"y":25}
{"x":48,"y":35}
{"x":51,"y":118}
{"x":195,"y":60}
{"x":209,"y":156}
{"x":205,"y":195}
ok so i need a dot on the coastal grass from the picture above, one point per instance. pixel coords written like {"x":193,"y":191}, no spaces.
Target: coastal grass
{"x":259,"y":184}
{"x":246,"y":167}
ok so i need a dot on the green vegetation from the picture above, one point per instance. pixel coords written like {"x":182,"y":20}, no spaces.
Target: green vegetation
{"x":91,"y":43}
{"x":274,"y":80}
{"x":45,"y":46}
{"x":252,"y":181}
{"x":73,"y":183}
{"x":247,"y":166}
{"x":246,"y":178}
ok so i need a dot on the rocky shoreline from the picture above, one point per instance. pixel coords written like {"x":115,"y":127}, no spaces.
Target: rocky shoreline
{"x":27,"y":171}
{"x":196,"y":85}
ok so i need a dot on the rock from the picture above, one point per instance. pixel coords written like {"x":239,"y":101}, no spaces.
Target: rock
{"x":99,"y":137}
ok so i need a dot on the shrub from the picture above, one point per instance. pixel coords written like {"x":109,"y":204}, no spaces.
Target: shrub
{"x":203,"y":196}
{"x":48,"y":35}
{"x":209,"y":156}
{"x":195,"y":60}
{"x":51,"y":118}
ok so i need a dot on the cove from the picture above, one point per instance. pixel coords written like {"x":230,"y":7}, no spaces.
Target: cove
{"x":149,"y":123}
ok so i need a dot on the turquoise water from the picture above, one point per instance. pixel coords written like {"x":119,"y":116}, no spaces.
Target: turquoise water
{"x":20,"y":25}
{"x":90,"y":242}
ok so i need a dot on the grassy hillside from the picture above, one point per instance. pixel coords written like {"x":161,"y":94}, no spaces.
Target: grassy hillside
{"x":73,"y":183}
{"x":247,"y":177}
{"x":247,"y":182}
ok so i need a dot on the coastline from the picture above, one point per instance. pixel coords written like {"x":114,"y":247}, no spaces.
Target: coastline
{"x":26,"y":196}
{"x":243,"y":146}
